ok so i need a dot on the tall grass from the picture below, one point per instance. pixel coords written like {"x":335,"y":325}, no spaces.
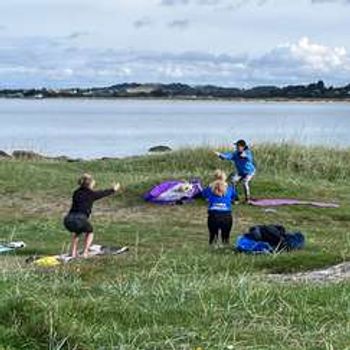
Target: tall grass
{"x":162,"y":310}
{"x":171,"y":291}
{"x":283,"y":159}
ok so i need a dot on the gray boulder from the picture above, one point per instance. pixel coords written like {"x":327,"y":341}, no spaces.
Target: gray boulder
{"x":74,"y":160}
{"x":109,"y":158}
{"x":159,"y":149}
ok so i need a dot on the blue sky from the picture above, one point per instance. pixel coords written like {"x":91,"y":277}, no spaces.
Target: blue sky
{"x":58,"y":43}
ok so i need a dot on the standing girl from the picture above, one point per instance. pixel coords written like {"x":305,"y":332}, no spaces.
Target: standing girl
{"x":220,"y":196}
{"x":77,"y":220}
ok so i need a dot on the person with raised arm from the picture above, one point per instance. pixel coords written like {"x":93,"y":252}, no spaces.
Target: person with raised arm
{"x":77,"y":220}
{"x":243,"y":159}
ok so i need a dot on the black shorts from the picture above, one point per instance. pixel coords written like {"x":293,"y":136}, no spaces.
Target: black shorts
{"x":78,"y":223}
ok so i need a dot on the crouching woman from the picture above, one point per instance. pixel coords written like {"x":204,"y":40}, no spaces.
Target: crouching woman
{"x":77,"y":220}
{"x":220,"y":196}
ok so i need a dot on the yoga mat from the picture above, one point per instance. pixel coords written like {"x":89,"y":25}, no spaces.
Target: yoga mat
{"x":278,"y":202}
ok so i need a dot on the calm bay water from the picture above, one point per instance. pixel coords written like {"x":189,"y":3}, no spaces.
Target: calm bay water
{"x":96,"y":128}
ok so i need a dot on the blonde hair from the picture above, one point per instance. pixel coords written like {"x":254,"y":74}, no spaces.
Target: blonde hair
{"x":220,"y":175}
{"x":86,"y":181}
{"x":219,"y":187}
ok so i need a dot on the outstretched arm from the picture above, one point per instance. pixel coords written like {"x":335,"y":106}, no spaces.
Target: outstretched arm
{"x":105,"y":193}
{"x":206,"y":193}
{"x":224,"y":156}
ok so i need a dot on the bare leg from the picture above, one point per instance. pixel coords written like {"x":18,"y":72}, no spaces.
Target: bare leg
{"x":75,"y":241}
{"x":246,"y":187}
{"x":236,"y":179}
{"x":89,"y":237}
{"x":246,"y":190}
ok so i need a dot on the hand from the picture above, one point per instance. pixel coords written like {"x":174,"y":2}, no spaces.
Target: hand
{"x":116,"y":187}
{"x":217,"y":153}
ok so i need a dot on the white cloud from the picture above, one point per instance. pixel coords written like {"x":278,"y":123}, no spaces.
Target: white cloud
{"x":53,"y":62}
{"x":304,"y":61}
{"x":179,"y":24}
{"x":319,"y":57}
{"x":77,"y":34}
{"x":143,"y":22}
{"x":174,"y":2}
{"x":237,"y":3}
{"x":328,"y":1}
{"x":233,"y":5}
{"x":226,"y":4}
{"x":252,"y":25}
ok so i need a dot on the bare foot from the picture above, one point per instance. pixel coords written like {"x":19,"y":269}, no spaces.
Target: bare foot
{"x":85,"y":255}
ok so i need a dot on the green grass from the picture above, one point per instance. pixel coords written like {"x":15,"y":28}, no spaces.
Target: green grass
{"x":170,"y":291}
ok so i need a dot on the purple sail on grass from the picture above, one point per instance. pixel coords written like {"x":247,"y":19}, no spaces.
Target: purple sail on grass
{"x":174,"y":192}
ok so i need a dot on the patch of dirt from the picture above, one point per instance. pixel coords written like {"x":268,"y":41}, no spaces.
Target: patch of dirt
{"x":334,"y":274}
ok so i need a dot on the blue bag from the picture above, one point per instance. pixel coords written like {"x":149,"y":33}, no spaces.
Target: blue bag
{"x":247,"y":245}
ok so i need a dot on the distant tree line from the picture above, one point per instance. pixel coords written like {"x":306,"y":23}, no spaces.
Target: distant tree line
{"x":177,"y":90}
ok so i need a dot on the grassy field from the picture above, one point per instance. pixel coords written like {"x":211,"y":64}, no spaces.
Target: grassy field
{"x":170,"y":291}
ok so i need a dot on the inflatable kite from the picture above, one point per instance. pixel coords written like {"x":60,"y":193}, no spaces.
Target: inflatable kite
{"x":174,"y":192}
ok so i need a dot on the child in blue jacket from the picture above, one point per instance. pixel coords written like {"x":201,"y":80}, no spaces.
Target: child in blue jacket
{"x":220,"y":197}
{"x":243,"y":160}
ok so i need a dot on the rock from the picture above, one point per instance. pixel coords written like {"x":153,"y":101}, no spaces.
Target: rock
{"x":159,"y":149}
{"x":60,"y":158}
{"x":335,"y":273}
{"x":4,"y":155}
{"x":74,"y":160}
{"x":28,"y":155}
{"x":109,"y":158}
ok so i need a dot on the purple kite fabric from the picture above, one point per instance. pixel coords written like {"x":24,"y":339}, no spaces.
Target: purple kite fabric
{"x":277,"y":202}
{"x":174,"y":192}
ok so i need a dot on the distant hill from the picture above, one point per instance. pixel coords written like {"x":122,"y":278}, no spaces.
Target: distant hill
{"x":183,"y":91}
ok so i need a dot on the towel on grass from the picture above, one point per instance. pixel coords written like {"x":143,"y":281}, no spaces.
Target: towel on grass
{"x":54,"y":260}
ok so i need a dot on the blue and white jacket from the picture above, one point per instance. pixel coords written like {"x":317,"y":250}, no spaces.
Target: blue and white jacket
{"x":244,"y":161}
{"x":220,"y":203}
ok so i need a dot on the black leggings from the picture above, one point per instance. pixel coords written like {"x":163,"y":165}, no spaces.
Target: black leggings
{"x":219,"y":222}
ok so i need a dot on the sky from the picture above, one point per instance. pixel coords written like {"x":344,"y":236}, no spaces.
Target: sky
{"x":241,"y":43}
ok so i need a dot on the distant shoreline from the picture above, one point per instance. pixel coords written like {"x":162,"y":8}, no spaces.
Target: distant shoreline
{"x":184,"y":99}
{"x":179,"y":91}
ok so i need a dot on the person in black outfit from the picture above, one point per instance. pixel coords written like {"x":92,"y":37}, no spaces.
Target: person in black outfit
{"x":77,"y":219}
